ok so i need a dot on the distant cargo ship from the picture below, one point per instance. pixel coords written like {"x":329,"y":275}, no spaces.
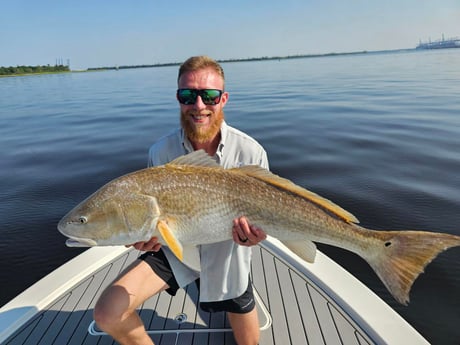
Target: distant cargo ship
{"x":440,"y":44}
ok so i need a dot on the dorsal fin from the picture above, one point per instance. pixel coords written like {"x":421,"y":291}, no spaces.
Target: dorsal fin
{"x":197,"y":158}
{"x":274,"y":180}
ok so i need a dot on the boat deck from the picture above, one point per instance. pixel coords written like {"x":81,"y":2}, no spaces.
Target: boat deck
{"x":298,"y":311}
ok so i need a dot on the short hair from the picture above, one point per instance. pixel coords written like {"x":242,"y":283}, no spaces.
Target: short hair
{"x":196,"y":63}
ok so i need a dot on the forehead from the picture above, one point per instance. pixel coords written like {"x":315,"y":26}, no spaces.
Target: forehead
{"x":201,"y":79}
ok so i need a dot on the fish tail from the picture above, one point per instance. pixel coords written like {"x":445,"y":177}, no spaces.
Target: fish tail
{"x":403,"y":255}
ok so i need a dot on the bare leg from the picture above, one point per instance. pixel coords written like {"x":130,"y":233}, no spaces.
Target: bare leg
{"x":115,"y":311}
{"x":245,"y":327}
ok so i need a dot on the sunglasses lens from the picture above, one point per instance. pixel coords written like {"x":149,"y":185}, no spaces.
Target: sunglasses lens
{"x":187,"y":96}
{"x":208,"y":96}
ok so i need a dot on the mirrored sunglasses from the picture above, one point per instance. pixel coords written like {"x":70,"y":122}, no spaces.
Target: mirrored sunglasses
{"x":208,"y":96}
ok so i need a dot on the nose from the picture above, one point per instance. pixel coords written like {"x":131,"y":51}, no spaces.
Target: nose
{"x":199,"y":103}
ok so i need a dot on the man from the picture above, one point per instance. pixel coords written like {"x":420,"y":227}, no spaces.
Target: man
{"x":224,"y":266}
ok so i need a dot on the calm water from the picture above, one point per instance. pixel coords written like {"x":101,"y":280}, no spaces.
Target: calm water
{"x":378,"y":133}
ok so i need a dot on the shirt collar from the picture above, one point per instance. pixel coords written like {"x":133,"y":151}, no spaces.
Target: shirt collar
{"x":223,"y":138}
{"x":187,"y":145}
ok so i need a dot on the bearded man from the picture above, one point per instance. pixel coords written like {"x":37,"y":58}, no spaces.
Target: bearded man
{"x":223,"y":269}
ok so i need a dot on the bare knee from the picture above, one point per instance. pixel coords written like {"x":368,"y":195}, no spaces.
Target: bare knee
{"x":112,"y":308}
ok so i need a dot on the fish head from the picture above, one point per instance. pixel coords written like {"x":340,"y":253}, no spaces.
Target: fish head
{"x":111,"y":216}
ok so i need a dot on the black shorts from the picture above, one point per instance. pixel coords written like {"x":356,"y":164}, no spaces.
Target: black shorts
{"x":160,"y":265}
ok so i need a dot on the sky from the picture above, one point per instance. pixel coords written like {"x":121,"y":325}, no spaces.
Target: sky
{"x":98,"y":33}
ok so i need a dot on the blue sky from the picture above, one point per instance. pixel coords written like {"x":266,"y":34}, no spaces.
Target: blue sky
{"x":108,"y":33}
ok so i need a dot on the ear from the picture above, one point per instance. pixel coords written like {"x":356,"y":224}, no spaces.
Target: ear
{"x":224,"y":98}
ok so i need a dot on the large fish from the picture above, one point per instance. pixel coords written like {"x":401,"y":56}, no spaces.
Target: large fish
{"x":192,"y":201}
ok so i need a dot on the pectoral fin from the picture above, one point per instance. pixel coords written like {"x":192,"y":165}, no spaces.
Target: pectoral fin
{"x":304,"y":249}
{"x":170,"y":239}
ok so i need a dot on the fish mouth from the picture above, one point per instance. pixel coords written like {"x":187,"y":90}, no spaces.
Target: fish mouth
{"x":80,"y":242}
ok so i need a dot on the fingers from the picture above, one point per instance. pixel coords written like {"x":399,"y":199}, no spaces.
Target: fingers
{"x":151,"y":245}
{"x":245,"y":234}
{"x":238,"y":234}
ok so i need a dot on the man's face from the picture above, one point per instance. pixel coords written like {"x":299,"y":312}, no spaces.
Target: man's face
{"x":202,"y":122}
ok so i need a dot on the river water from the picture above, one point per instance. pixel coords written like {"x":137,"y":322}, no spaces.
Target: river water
{"x":378,"y":133}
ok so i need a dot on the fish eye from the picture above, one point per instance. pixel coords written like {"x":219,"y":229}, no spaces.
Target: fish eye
{"x":82,"y":220}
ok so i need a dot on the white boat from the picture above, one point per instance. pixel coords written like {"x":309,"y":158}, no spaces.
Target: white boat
{"x":298,"y":303}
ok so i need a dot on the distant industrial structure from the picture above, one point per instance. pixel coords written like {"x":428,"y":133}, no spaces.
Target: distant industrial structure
{"x":60,"y":62}
{"x":440,"y":44}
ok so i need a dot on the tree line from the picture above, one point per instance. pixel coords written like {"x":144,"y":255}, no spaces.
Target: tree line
{"x":18,"y":70}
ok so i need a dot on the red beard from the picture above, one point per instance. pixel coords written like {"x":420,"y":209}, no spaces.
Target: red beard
{"x":202,"y":135}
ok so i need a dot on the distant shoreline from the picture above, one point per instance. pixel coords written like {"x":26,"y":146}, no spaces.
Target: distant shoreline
{"x":12,"y":71}
{"x":168,"y":64}
{"x":29,"y":74}
{"x":265,"y":58}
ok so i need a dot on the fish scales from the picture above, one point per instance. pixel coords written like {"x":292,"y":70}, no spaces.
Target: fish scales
{"x":201,"y":191}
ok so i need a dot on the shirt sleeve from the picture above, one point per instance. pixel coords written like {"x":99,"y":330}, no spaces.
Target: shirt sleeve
{"x":264,"y":160}
{"x":166,"y":149}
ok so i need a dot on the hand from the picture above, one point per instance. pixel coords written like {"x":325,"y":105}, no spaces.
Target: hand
{"x":151,"y":245}
{"x":245,"y":234}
